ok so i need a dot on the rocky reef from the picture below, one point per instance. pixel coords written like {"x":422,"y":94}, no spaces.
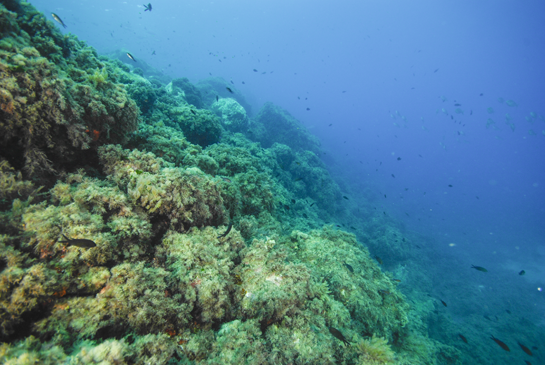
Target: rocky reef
{"x":138,"y":226}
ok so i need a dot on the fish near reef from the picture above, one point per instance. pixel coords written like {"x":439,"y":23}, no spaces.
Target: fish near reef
{"x":58,"y":19}
{"x":78,"y":242}
{"x":500,"y":343}
{"x":463,"y":338}
{"x":445,"y":304}
{"x":349,"y":267}
{"x":130,"y":56}
{"x":229,"y":89}
{"x":479,"y":268}
{"x":335,"y":332}
{"x":228,"y":230}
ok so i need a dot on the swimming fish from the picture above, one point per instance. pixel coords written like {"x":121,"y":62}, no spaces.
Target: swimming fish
{"x":500,"y":343}
{"x":522,"y":272}
{"x":480,"y":268}
{"x":345,"y":197}
{"x":378,"y":259}
{"x":130,"y":56}
{"x":335,"y":332}
{"x":78,"y":242}
{"x":445,"y":304}
{"x":217,"y":98}
{"x":229,"y":89}
{"x":58,"y":20}
{"x":525,"y":349}
{"x":228,"y":230}
{"x":148,"y":7}
{"x":349,"y":267}
{"x":463,"y":338}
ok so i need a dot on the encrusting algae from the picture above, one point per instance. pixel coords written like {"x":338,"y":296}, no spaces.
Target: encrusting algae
{"x":145,"y":243}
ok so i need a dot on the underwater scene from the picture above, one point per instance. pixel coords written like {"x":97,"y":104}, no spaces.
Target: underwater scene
{"x":287,"y":182}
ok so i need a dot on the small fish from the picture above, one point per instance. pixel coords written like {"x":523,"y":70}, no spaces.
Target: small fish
{"x":228,"y":230}
{"x":148,"y":7}
{"x":308,"y":109}
{"x":78,"y":242}
{"x":457,"y":104}
{"x":378,"y":259}
{"x":232,"y":82}
{"x":255,"y":70}
{"x":345,"y":197}
{"x":130,"y":56}
{"x":522,"y":272}
{"x":527,"y":362}
{"x":399,"y":158}
{"x":384,"y":291}
{"x":463,"y":338}
{"x":305,"y":216}
{"x":153,"y":54}
{"x":312,"y":204}
{"x":350,"y":268}
{"x":450,"y":186}
{"x":217,"y":98}
{"x":525,"y":349}
{"x":445,"y":304}
{"x":330,"y":125}
{"x":192,"y":111}
{"x":500,"y":343}
{"x":226,"y":179}
{"x":480,"y":268}
{"x":243,"y":83}
{"x":508,"y":311}
{"x":229,"y":89}
{"x":335,"y":332}
{"x":293,"y":201}
{"x":287,"y":207}
{"x":436,"y":70}
{"x":58,"y":19}
{"x":393,"y":176}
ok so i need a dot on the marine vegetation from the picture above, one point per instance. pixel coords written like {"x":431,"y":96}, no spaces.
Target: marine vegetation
{"x":166,"y":232}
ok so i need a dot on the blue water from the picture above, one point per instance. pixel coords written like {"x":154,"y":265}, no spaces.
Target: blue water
{"x":381,"y":80}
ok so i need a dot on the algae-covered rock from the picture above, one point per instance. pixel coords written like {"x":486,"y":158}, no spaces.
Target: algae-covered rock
{"x":232,"y":114}
{"x":188,"y":91}
{"x":53,"y":106}
{"x":280,"y":127}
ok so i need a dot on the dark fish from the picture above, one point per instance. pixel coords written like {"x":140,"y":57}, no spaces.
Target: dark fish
{"x":463,"y":338}
{"x":385,"y":195}
{"x":228,"y":230}
{"x":378,"y":259}
{"x":480,"y":268}
{"x":399,"y":158}
{"x":192,"y":111}
{"x":255,"y":70}
{"x":527,"y":362}
{"x":445,"y":304}
{"x":232,"y":82}
{"x":487,"y":317}
{"x":335,"y":332}
{"x":522,"y":272}
{"x":393,"y":176}
{"x":148,"y":7}
{"x":243,"y":83}
{"x":500,"y":343}
{"x":330,"y":125}
{"x":79,"y":242}
{"x":217,"y":98}
{"x":508,"y":311}
{"x":308,"y":109}
{"x":525,"y":349}
{"x":287,"y":207}
{"x":349,"y":267}
{"x":58,"y":19}
{"x":293,"y":201}
{"x":481,"y":94}
{"x":457,"y":104}
{"x":436,"y":70}
{"x":450,"y":186}
{"x":345,"y":197}
{"x":153,"y":54}
{"x":130,"y":56}
{"x":397,"y":280}
{"x":229,"y":89}
{"x":305,"y":216}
